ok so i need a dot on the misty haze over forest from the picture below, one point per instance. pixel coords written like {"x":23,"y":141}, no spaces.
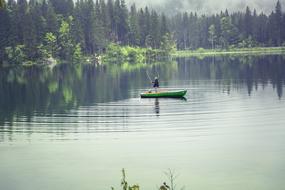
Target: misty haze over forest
{"x":207,"y":6}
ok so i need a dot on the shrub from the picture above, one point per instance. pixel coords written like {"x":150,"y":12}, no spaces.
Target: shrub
{"x":15,"y":55}
{"x":201,"y":50}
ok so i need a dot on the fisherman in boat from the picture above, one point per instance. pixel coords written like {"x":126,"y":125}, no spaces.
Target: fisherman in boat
{"x":155,"y":84}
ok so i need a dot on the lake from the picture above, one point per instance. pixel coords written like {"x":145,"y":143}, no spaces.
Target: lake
{"x":76,"y":126}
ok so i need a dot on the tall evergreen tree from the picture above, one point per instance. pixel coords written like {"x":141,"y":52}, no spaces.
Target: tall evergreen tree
{"x":77,"y":28}
{"x":164,"y":27}
{"x":100,"y":32}
{"x":22,"y":21}
{"x":229,"y":32}
{"x":155,"y":29}
{"x":123,"y":26}
{"x":111,"y":15}
{"x":185,"y":30}
{"x":212,"y":35}
{"x":194,"y":32}
{"x":12,"y":26}
{"x":87,"y":18}
{"x":142,"y":24}
{"x":134,"y":35}
{"x":277,"y":24}
{"x":4,"y":29}
{"x":105,"y":18}
{"x":247,"y":23}
{"x":50,"y":18}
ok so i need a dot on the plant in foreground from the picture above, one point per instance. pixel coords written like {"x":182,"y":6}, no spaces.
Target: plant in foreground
{"x":124,"y":183}
{"x":170,"y":174}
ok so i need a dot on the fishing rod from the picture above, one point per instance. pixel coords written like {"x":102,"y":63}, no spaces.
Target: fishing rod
{"x":148,"y":76}
{"x":157,"y":74}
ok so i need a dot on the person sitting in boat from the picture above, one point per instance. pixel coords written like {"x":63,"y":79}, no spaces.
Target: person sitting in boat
{"x":155,"y":84}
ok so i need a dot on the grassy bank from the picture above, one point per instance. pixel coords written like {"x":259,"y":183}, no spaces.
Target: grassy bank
{"x":232,"y":51}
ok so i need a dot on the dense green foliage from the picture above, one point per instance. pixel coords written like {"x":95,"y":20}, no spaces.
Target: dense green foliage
{"x":121,"y":54}
{"x":116,"y":53}
{"x":67,"y":29}
{"x":224,"y":30}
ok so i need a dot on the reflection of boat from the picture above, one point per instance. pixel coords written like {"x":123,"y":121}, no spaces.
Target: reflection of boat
{"x":164,"y":94}
{"x":156,"y":106}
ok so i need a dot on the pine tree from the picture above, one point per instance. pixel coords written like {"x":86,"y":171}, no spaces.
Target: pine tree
{"x":4,"y":29}
{"x":194,"y":32}
{"x":229,"y":32}
{"x":155,"y":29}
{"x":164,"y":26}
{"x":175,"y":23}
{"x":100,"y":34}
{"x":212,"y":35}
{"x":123,"y":25}
{"x":77,"y":28}
{"x":134,"y":35}
{"x":271,"y":39}
{"x":168,"y":44}
{"x":111,"y":15}
{"x":261,"y":29}
{"x":117,"y":18}
{"x":49,"y":18}
{"x":21,"y":21}
{"x":255,"y":25}
{"x":277,"y":24}
{"x":142,"y":24}
{"x":30,"y":36}
{"x":204,"y":32}
{"x":90,"y":27}
{"x":12,"y":27}
{"x":185,"y":30}
{"x":248,"y":23}
{"x":105,"y":18}
{"x":146,"y":27}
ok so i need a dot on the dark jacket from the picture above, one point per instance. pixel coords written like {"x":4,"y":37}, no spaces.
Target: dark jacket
{"x":155,"y":83}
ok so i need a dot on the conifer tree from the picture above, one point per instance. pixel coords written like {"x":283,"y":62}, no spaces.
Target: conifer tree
{"x":247,"y":23}
{"x":277,"y":24}
{"x":134,"y":35}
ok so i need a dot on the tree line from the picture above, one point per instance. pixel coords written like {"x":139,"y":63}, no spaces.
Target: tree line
{"x":224,"y":30}
{"x":35,"y":29}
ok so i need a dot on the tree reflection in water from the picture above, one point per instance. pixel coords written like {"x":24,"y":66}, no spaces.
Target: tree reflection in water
{"x":26,"y":91}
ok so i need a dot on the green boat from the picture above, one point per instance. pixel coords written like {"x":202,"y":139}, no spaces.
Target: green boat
{"x":164,"y":94}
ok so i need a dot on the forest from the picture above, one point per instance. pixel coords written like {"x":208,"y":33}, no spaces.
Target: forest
{"x":68,"y":30}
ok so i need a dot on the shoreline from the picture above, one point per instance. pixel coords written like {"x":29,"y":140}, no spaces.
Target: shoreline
{"x":140,"y":55}
{"x":234,"y":51}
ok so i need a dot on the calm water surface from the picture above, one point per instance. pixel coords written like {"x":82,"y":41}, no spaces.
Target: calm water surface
{"x":74,"y":127}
